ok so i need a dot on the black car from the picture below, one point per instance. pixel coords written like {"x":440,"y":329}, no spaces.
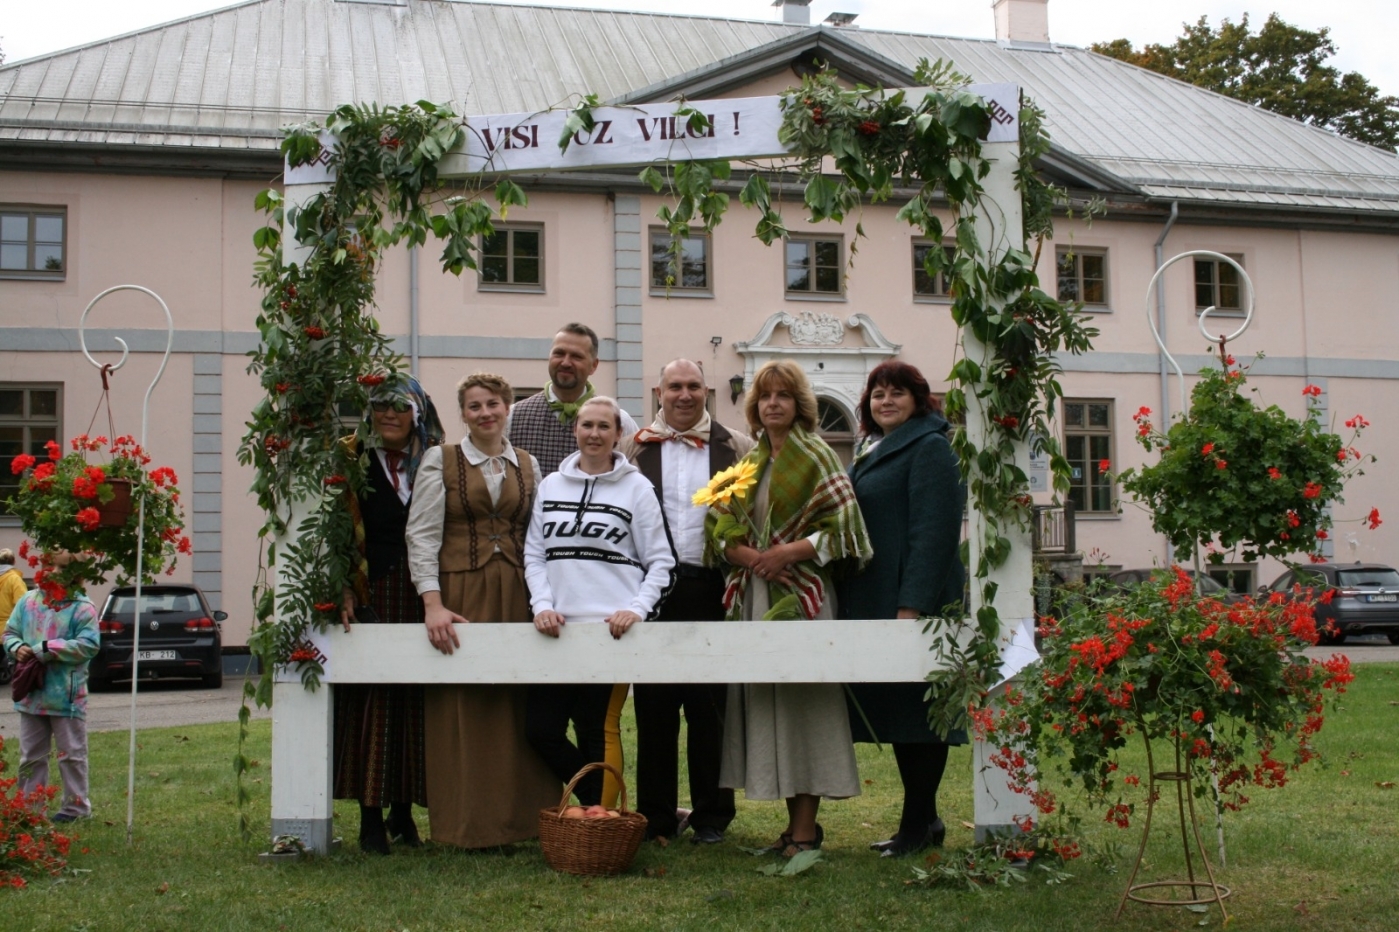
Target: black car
{"x":1205,"y":586}
{"x":179,"y":637}
{"x":1364,"y":600}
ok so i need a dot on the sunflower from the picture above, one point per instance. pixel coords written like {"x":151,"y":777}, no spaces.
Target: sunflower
{"x":728,"y":484}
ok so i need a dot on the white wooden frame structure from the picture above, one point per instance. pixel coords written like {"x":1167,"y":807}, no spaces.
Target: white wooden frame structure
{"x":737,"y":652}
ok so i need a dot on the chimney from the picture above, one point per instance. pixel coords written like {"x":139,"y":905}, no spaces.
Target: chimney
{"x":1022,"y":21}
{"x":795,"y":12}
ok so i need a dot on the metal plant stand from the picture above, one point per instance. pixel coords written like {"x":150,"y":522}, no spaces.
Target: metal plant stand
{"x":1185,"y":807}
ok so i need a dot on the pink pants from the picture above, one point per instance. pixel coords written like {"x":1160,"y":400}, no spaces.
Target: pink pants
{"x":70,"y":735}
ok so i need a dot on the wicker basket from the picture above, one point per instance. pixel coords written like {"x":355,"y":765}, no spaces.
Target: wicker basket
{"x":591,"y":847}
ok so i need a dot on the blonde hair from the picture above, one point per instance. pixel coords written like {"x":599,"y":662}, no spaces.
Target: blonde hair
{"x":609,"y":402}
{"x":781,"y":374}
{"x":491,"y":382}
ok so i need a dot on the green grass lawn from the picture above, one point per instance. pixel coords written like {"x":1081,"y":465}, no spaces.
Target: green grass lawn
{"x":1318,"y":854}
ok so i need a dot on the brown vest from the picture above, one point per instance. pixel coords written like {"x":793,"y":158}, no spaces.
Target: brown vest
{"x":473,"y":527}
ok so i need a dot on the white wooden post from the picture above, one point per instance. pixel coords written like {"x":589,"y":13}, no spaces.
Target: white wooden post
{"x":301,"y":718}
{"x":1000,"y":228}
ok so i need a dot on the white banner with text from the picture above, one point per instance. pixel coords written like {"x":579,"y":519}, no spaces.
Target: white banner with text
{"x":739,"y":128}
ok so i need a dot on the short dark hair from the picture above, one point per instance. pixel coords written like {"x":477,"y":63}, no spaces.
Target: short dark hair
{"x":582,"y":330}
{"x":894,"y":374}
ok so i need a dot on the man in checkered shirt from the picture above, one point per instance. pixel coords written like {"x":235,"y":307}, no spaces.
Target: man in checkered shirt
{"x":542,"y":424}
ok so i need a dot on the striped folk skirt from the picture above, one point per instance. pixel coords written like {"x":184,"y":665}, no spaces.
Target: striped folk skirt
{"x":379,"y":728}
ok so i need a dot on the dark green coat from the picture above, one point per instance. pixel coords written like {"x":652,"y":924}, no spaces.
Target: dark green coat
{"x":911,"y":495}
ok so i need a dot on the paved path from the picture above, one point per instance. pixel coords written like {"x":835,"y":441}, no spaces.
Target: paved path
{"x":168,"y":704}
{"x":158,"y":705}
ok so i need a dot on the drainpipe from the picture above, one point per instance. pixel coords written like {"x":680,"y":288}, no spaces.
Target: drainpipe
{"x":413,"y":309}
{"x":1161,"y":328}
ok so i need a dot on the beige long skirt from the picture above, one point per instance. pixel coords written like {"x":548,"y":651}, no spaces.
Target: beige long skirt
{"x":782,"y":739}
{"x":485,"y":785}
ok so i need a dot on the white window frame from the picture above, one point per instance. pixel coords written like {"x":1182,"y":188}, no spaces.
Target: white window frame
{"x":1076,"y":254}
{"x":27,"y":421}
{"x":510,"y":229}
{"x":941,"y":293}
{"x":1235,"y":311}
{"x":811,"y":294}
{"x":31,"y":212}
{"x":658,"y":235}
{"x":1092,"y":478}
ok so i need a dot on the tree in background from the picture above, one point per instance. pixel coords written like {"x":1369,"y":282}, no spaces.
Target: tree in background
{"x":1280,"y":68}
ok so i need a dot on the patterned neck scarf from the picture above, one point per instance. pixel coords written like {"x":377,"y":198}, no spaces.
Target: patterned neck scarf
{"x":567,"y":411}
{"x":660,"y":431}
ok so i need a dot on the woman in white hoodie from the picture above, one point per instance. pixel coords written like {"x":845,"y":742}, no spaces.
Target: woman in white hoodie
{"x":598,"y":552}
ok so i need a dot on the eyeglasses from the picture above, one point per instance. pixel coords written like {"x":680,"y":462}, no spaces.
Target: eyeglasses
{"x":399,"y":407}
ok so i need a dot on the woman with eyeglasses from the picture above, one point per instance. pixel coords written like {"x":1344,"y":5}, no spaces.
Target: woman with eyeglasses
{"x":379,"y":757}
{"x":466,"y":540}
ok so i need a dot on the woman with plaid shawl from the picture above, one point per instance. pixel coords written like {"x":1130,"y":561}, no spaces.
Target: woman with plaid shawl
{"x":788,"y":741}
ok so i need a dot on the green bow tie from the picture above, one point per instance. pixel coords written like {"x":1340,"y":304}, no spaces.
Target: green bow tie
{"x":567,"y":411}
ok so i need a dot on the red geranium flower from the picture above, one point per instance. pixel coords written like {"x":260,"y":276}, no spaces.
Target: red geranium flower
{"x":1274,"y":472}
{"x":1104,"y":465}
{"x":20,"y":463}
{"x":1357,"y":422}
{"x":88,"y":518}
{"x":1311,"y":490}
{"x":1207,"y":449}
{"x":1312,"y":391}
{"x":54,"y":450}
{"x":1373,"y":518}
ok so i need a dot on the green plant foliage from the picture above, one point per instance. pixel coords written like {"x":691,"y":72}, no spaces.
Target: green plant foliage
{"x":1281,"y":67}
{"x":321,"y":349}
{"x":1243,"y":475}
{"x":1227,"y":686}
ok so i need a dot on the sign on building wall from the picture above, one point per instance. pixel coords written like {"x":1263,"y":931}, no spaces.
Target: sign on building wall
{"x":740,"y":128}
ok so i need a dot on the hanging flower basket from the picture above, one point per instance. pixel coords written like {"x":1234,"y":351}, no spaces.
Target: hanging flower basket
{"x":67,"y":504}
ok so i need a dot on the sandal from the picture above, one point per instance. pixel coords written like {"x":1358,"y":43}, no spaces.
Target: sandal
{"x":794,"y":847}
{"x":783,"y":842}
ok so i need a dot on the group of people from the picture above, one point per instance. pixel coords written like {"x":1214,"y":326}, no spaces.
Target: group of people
{"x":556,"y":511}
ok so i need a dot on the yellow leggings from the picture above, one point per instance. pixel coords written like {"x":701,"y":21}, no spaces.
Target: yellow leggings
{"x":612,"y":729}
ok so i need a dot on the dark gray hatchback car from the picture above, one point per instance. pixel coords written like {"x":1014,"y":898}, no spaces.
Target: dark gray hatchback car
{"x":179,"y":637}
{"x":1365,"y":599}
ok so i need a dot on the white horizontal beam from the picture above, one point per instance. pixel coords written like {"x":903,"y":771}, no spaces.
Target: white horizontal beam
{"x":891,"y":651}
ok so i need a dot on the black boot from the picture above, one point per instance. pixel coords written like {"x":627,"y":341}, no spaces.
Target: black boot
{"x":402,"y":828}
{"x":372,"y":837}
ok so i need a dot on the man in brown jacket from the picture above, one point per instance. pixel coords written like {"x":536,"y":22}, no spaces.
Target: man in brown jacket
{"x":679,"y":452}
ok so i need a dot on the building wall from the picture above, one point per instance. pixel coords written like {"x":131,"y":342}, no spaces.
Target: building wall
{"x":1325,"y":315}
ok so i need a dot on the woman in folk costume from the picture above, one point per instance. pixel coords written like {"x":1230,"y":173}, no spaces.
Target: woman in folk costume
{"x":466,"y":541}
{"x":379,"y":728}
{"x":788,"y":741}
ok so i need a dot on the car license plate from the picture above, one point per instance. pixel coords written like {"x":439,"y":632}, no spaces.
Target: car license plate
{"x":1383,"y":597}
{"x":157,"y":655}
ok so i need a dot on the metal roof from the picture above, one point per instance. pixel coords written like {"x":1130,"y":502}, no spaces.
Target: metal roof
{"x":231,"y":78}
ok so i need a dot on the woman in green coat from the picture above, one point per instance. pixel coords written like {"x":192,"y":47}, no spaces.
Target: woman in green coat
{"x":909,"y":488}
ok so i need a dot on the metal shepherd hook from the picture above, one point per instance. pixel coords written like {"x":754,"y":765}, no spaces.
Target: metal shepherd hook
{"x":140,"y":515}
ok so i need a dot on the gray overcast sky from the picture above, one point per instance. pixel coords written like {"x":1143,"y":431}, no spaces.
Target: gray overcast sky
{"x":1363,"y":29}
